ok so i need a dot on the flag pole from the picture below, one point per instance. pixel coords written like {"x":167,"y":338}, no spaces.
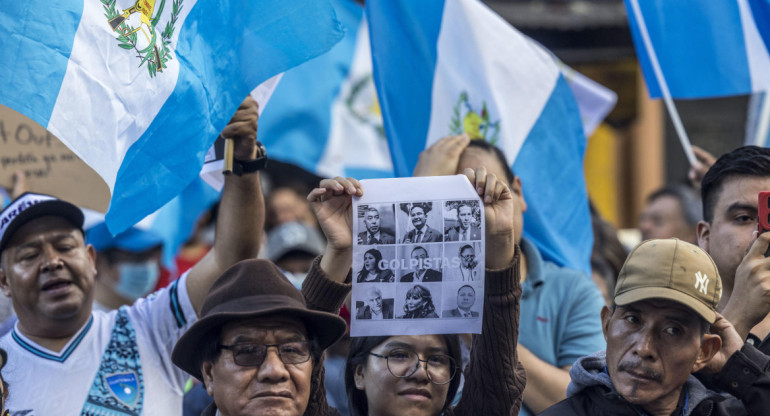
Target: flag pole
{"x":228,"y":156}
{"x":760,"y":137}
{"x":678,"y":126}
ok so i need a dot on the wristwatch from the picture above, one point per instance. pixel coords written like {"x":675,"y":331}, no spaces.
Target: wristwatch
{"x":248,"y":166}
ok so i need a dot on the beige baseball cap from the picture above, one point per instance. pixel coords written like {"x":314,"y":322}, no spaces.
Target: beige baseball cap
{"x":671,"y":269}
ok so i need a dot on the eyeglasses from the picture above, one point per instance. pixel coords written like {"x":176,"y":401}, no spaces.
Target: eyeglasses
{"x":469,"y":256}
{"x":253,"y":355}
{"x":441,"y":368}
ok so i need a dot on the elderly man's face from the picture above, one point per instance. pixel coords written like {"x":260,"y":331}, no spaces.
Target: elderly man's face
{"x":652,"y":347}
{"x":418,"y":217}
{"x":272,"y":388}
{"x":372,"y":221}
{"x":374,"y":300}
{"x":465,"y":216}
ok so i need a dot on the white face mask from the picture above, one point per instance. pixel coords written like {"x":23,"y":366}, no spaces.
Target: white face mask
{"x":137,"y":279}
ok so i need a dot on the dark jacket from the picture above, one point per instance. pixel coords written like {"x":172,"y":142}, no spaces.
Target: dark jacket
{"x":745,"y":376}
{"x":430,"y":235}
{"x":453,"y":233}
{"x":385,"y":238}
{"x":429,"y":276}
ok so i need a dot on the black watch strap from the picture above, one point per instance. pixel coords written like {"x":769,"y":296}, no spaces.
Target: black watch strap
{"x":249,"y":166}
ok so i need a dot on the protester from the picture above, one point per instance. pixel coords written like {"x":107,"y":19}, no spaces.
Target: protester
{"x":128,"y":265}
{"x":293,"y":246}
{"x":375,"y":378}
{"x":288,"y":204}
{"x":65,"y":358}
{"x":371,"y":271}
{"x":671,"y":211}
{"x":657,"y":333}
{"x":418,"y":303}
{"x":729,"y":191}
{"x":559,"y":306}
{"x":257,"y":346}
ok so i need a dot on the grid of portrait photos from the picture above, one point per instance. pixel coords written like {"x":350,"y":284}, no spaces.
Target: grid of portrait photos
{"x":418,"y":267}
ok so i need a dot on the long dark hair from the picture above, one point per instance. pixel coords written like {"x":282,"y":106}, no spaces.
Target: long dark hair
{"x":426,"y":309}
{"x":359,"y":354}
{"x":377,"y":257}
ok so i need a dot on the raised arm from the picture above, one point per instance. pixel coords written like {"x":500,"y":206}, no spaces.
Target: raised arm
{"x":494,"y":377}
{"x":241,"y":210}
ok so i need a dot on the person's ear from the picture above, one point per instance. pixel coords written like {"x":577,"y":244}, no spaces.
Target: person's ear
{"x":703,"y":232}
{"x":606,"y":315}
{"x":709,"y":347}
{"x":91,"y":251}
{"x":208,"y":379}
{"x":358,"y":377}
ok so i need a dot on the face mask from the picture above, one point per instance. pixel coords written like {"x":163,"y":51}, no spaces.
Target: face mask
{"x":296,"y":279}
{"x":137,"y":279}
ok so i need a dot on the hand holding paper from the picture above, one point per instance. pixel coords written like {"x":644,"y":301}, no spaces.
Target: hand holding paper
{"x":498,"y":212}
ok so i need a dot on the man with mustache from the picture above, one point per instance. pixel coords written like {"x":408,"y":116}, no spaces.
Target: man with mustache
{"x":662,"y":327}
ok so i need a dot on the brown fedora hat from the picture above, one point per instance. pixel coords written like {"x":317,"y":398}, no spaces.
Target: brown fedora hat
{"x":250,"y":289}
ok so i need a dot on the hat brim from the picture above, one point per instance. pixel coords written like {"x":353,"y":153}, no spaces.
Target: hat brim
{"x":644,"y":293}
{"x":57,"y":208}
{"x":323,"y":327}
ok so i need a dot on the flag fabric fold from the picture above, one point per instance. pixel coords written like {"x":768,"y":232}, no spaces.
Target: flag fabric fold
{"x":451,"y":67}
{"x":140,"y":93}
{"x":704,"y":48}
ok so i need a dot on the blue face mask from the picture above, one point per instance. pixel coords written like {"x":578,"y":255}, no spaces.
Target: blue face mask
{"x":137,"y":279}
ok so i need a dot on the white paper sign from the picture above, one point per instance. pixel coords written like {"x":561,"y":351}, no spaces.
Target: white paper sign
{"x":418,"y":257}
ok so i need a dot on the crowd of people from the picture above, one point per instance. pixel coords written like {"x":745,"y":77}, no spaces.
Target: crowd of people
{"x":260,"y":323}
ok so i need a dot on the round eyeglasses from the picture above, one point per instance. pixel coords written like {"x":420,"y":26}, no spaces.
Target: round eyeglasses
{"x":253,"y":355}
{"x":441,"y":368}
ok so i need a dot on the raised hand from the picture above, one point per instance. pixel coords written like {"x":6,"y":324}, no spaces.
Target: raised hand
{"x":731,"y":342}
{"x":498,"y":213}
{"x":749,"y":302}
{"x":442,"y":157}
{"x":242,"y":128}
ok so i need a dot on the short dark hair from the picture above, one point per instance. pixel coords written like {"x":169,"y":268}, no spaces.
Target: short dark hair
{"x":464,"y":247}
{"x":468,"y":286}
{"x":418,"y":248}
{"x":743,"y":161}
{"x":689,"y":201}
{"x":489,"y":147}
{"x":359,"y":354}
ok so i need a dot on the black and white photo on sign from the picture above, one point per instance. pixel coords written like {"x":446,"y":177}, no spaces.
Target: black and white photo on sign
{"x":420,"y":222}
{"x":462,"y":221}
{"x":374,"y":301}
{"x":376,"y":224}
{"x":420,"y":263}
{"x":418,"y":301}
{"x":460,"y":300}
{"x":376,"y":265}
{"x":462,"y":262}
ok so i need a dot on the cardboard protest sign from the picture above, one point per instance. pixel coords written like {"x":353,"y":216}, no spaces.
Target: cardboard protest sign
{"x":48,"y":165}
{"x":418,"y":257}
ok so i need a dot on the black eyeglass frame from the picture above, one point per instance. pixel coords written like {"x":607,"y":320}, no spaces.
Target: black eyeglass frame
{"x":308,"y":345}
{"x":452,"y":366}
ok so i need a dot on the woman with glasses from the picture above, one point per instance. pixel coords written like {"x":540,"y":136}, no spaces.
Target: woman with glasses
{"x":419,"y":303}
{"x":371,"y":272}
{"x":419,"y":375}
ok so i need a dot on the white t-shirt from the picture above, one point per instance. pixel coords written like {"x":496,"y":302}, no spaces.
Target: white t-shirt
{"x":43,"y":382}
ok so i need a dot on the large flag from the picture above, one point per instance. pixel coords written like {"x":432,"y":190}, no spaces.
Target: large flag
{"x":324,"y":115}
{"x":447,"y":67}
{"x":140,"y":89}
{"x":704,"y":48}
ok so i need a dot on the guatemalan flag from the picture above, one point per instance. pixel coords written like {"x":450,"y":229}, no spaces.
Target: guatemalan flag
{"x":448,"y":67}
{"x":140,"y":89}
{"x":705,"y":48}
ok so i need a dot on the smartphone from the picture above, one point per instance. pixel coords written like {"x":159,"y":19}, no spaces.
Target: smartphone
{"x":763,"y":215}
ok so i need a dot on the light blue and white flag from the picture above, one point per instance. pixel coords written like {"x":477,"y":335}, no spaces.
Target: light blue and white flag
{"x":140,"y":89}
{"x":448,"y":67}
{"x":705,"y":48}
{"x":324,"y":115}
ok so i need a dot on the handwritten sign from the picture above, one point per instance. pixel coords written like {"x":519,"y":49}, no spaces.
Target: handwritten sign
{"x":48,"y":165}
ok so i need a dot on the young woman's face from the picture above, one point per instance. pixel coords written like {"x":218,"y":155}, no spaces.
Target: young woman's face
{"x":416,"y":395}
{"x":369,"y":262}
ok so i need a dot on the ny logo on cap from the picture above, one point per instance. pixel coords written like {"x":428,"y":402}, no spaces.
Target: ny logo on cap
{"x":701,"y":282}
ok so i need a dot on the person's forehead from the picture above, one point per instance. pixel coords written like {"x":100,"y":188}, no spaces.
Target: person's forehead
{"x":419,"y":343}
{"x":468,"y":249}
{"x":475,"y":157}
{"x":665,"y":308}
{"x":372,"y":211}
{"x":464,"y":209}
{"x":741,"y":190}
{"x":419,"y":251}
{"x":46,"y":225}
{"x":256,"y":328}
{"x":466,"y":291}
